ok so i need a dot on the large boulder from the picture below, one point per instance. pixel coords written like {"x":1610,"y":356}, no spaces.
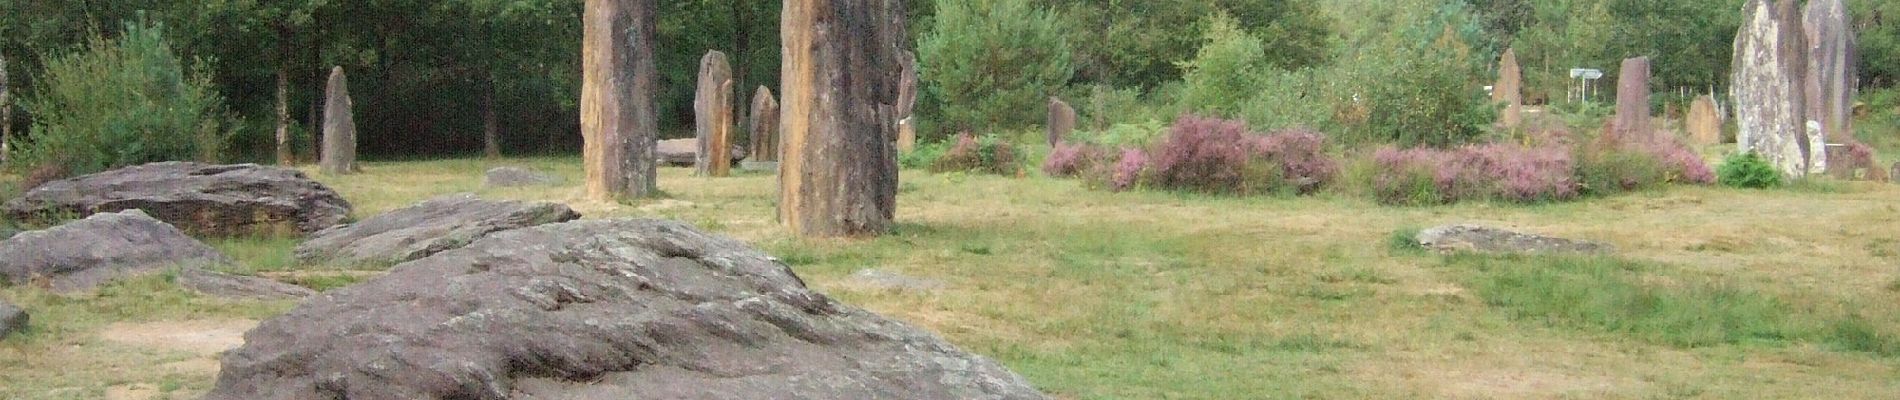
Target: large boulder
{"x":12,"y":319}
{"x":219,"y":200}
{"x":518,"y":177}
{"x":685,"y":152}
{"x":218,"y":284}
{"x":432,"y":226}
{"x":1480,"y":239}
{"x":82,"y":254}
{"x":597,"y":309}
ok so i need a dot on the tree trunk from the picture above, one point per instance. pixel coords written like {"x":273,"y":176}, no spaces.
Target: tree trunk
{"x":491,"y":125}
{"x":618,"y":77}
{"x":838,"y":175}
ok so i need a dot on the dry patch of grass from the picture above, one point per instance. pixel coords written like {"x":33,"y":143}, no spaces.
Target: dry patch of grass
{"x":1094,"y":295}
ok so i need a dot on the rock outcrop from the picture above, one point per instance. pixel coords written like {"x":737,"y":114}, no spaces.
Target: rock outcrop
{"x":518,"y":177}
{"x":1479,"y":239}
{"x":432,"y":226}
{"x":598,"y":310}
{"x":83,"y":254}
{"x":218,"y":284}
{"x":218,"y":200}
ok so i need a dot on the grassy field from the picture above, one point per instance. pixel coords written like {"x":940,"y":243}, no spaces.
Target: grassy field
{"x":1713,"y":293}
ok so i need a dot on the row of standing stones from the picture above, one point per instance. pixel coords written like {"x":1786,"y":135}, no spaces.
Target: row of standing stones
{"x":486,"y":299}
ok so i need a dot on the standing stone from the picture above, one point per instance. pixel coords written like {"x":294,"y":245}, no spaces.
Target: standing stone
{"x":618,"y":123}
{"x":1061,"y":120}
{"x":1768,"y":84}
{"x":1831,"y":62}
{"x":712,"y":115}
{"x":838,"y":175}
{"x":906,"y":137}
{"x":764,"y":126}
{"x":1632,"y":100}
{"x":907,"y":104}
{"x":1509,"y":90}
{"x":1703,"y":123}
{"x":339,"y":127}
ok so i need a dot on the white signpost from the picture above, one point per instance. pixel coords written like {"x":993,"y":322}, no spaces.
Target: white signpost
{"x":1583,"y":77}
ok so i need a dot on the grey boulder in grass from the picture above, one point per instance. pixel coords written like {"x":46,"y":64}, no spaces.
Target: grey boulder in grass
{"x":1480,"y":239}
{"x":627,"y":309}
{"x":432,"y":226}
{"x":83,"y":254}
{"x":205,"y":199}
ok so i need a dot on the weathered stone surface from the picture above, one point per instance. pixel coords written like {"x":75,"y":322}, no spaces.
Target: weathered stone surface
{"x":712,"y":115}
{"x":1831,"y":59}
{"x":219,"y":200}
{"x":1632,"y":100}
{"x":12,"y":319}
{"x":1509,"y":90}
{"x":906,"y":137}
{"x":685,"y":152}
{"x":218,"y":284}
{"x":518,"y":177}
{"x":80,"y":255}
{"x":618,"y":82}
{"x":1061,"y":120}
{"x":598,"y":310}
{"x":907,"y":86}
{"x":1769,"y":84}
{"x":432,"y":226}
{"x":6,"y":114}
{"x":838,"y":172}
{"x":1473,"y":238}
{"x":764,"y":126}
{"x":1703,"y":122}
{"x":886,"y":280}
{"x":339,"y":127}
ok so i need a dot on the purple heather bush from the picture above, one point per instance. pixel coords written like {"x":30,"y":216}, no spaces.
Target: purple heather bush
{"x":1212,"y":155}
{"x":1491,"y":171}
{"x":1069,"y":160}
{"x":1129,"y":170}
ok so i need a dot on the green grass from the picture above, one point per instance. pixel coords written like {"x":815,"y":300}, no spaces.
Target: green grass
{"x":1716,"y":293}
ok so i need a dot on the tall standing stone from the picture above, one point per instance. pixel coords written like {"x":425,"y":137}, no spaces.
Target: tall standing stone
{"x":764,"y":126}
{"x":1770,"y":90}
{"x":1509,"y":90}
{"x":618,"y":123}
{"x":712,"y":112}
{"x":1632,"y":100}
{"x":339,"y":127}
{"x":841,"y":74}
{"x":906,"y":104}
{"x":6,"y":114}
{"x":1704,"y":123}
{"x":1832,"y":59}
{"x":1061,"y":120}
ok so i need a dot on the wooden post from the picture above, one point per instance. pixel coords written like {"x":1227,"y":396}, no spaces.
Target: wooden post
{"x":841,"y":73}
{"x":618,"y":124}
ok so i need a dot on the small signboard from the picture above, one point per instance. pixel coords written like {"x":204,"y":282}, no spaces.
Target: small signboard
{"x":1585,"y":73}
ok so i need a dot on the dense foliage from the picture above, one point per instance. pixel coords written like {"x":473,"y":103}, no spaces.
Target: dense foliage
{"x":990,"y":63}
{"x":1749,"y":170}
{"x":120,"y":102}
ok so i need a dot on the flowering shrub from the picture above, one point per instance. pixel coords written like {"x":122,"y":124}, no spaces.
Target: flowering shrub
{"x":1070,"y":160}
{"x":987,"y":154}
{"x":1129,"y":170}
{"x":1222,"y":156}
{"x":1493,"y":171}
{"x":1616,"y":164}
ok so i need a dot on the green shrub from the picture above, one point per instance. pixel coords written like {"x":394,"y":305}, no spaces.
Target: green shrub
{"x":1226,"y":70}
{"x":986,"y":154}
{"x":120,"y":102}
{"x":1748,"y":170}
{"x":1139,"y":134}
{"x":1611,"y":171}
{"x":925,"y":155}
{"x":993,"y":63}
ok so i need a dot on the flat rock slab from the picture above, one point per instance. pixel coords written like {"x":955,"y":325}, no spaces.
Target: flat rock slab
{"x":628,"y":309}
{"x":218,"y":284}
{"x":1479,"y":239}
{"x":82,"y":254}
{"x":432,"y":226}
{"x":886,"y":280}
{"x":219,"y":200}
{"x":12,"y":319}
{"x":518,"y":177}
{"x":685,"y":152}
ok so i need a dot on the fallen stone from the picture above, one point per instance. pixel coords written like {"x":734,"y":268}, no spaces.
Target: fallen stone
{"x":218,"y":284}
{"x":219,"y":200}
{"x":432,"y":226}
{"x":1479,"y":239}
{"x":518,"y":177}
{"x":598,"y":310}
{"x":12,"y":319}
{"x":83,"y":254}
{"x":685,"y":152}
{"x":886,"y":280}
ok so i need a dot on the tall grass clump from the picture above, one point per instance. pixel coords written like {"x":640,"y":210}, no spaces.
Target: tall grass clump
{"x":119,"y":102}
